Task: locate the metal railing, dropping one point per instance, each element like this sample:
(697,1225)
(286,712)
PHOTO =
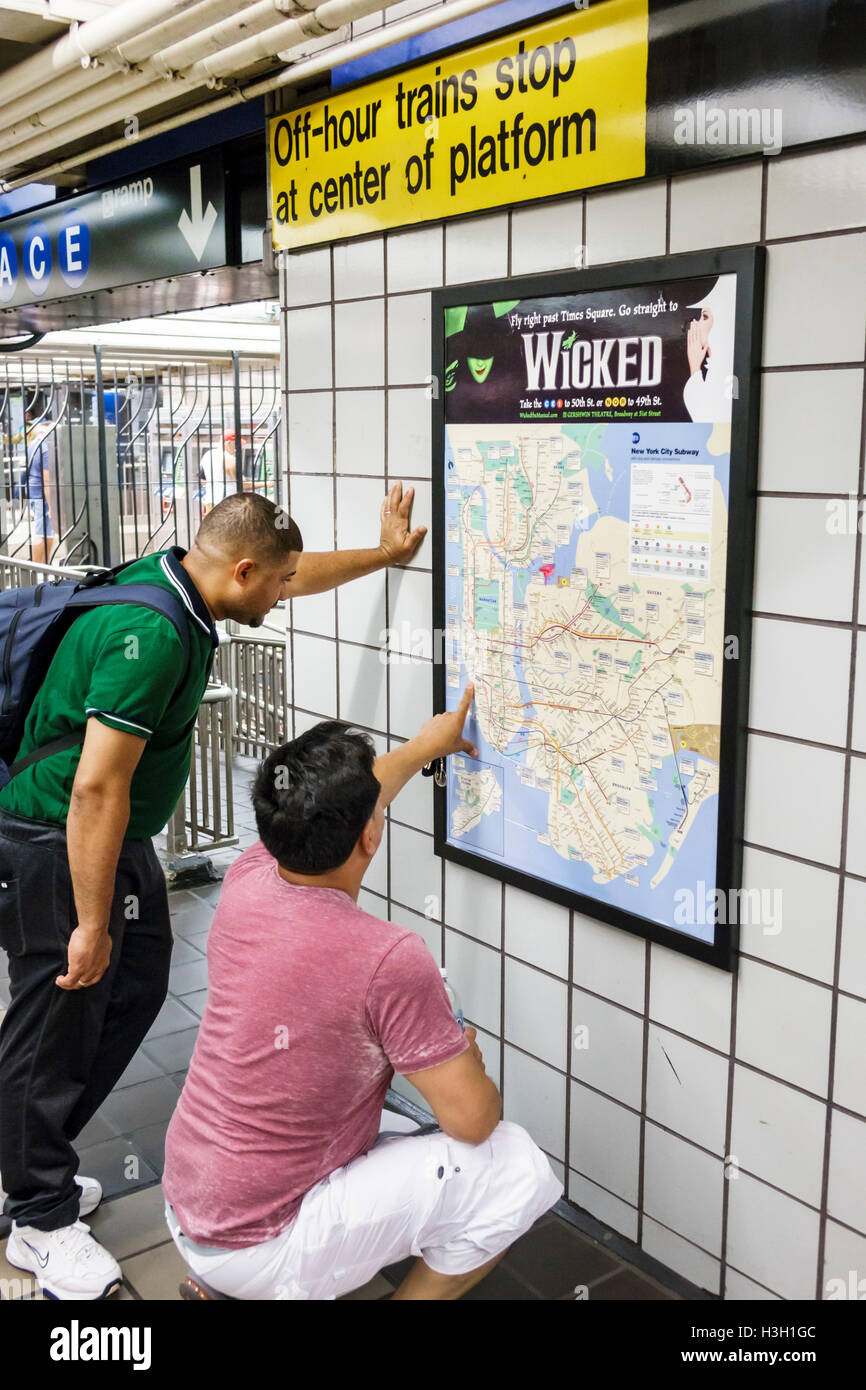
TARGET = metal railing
(108,463)
(204,818)
(255,668)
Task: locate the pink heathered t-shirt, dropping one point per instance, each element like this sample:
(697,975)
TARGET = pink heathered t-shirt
(312,1006)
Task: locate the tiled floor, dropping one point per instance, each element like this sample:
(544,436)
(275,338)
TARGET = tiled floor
(123,1146)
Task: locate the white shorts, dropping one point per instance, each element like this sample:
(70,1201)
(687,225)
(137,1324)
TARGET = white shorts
(455,1204)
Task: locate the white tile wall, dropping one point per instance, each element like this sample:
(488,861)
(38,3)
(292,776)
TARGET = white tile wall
(314,670)
(359,330)
(817,192)
(778,1134)
(308,348)
(312,504)
(683,1188)
(607,1047)
(534,1096)
(363,692)
(316,613)
(679,1254)
(858,732)
(809,415)
(789,528)
(308,277)
(547,237)
(690,997)
(843,1252)
(739,1288)
(846,1199)
(852,965)
(409,441)
(429,930)
(410,600)
(411,696)
(414,804)
(800,679)
(359,268)
(602,1205)
(687,1089)
(536,1013)
(475,971)
(816,299)
(311,433)
(536,930)
(783,1025)
(473,904)
(408,339)
(772,1238)
(416,872)
(780,810)
(856,858)
(360,432)
(358,504)
(476,249)
(810,443)
(720,208)
(849,1082)
(627,224)
(793,923)
(604,1142)
(609,962)
(361,610)
(414,259)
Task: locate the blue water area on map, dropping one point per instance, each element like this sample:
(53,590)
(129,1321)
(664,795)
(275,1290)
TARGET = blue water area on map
(510,835)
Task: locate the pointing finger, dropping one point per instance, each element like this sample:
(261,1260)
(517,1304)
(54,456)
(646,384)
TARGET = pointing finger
(465,701)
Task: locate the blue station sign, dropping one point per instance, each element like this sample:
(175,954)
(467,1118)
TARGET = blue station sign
(169,220)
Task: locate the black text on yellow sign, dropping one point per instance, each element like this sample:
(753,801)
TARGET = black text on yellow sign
(546,110)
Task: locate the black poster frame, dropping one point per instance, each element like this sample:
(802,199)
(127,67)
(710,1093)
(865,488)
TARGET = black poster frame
(748,264)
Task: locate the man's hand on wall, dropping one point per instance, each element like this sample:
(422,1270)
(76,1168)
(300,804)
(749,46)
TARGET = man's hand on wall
(396,541)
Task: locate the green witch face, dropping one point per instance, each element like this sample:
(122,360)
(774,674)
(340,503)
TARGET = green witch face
(479,367)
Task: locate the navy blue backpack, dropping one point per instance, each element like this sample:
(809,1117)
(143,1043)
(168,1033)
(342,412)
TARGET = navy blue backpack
(33,620)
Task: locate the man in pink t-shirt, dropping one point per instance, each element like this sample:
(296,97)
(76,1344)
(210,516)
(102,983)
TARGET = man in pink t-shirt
(278,1181)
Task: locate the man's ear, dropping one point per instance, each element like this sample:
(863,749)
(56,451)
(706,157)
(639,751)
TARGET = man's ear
(370,839)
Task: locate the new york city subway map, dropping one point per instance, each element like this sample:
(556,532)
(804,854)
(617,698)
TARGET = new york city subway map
(584,597)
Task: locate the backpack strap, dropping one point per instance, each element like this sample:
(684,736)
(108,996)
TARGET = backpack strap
(95,595)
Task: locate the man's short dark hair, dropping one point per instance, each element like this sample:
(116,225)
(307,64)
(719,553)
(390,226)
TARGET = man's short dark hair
(246,523)
(312,797)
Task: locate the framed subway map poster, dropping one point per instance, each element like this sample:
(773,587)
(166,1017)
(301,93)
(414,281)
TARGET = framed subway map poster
(595,441)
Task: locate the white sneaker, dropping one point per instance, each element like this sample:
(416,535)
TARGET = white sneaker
(68,1263)
(91,1195)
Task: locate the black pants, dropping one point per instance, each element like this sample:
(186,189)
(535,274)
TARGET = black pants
(62,1051)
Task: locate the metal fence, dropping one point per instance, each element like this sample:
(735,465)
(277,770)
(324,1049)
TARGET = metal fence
(256,671)
(101,466)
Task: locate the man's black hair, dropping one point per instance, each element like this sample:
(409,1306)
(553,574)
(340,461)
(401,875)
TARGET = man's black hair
(312,797)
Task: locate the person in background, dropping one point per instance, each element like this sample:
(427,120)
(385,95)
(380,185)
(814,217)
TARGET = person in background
(220,469)
(38,489)
(276,1184)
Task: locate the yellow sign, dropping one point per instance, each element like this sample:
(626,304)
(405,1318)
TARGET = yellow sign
(548,109)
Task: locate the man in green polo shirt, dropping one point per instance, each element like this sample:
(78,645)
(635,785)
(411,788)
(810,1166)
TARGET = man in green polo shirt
(83,905)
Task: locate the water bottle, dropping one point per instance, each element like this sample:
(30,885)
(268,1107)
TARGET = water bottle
(452,998)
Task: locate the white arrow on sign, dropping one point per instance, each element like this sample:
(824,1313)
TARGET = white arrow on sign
(196,230)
